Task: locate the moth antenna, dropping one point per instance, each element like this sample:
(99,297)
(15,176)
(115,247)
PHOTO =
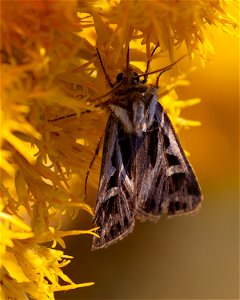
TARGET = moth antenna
(90,166)
(128,57)
(148,64)
(104,70)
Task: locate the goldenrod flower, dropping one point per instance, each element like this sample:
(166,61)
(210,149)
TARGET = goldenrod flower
(50,70)
(169,23)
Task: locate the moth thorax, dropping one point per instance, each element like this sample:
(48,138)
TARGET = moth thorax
(139,117)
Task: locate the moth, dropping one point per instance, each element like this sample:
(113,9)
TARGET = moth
(144,171)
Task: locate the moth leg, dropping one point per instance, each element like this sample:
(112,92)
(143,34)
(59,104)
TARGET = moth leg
(104,70)
(69,116)
(90,166)
(159,75)
(169,67)
(63,117)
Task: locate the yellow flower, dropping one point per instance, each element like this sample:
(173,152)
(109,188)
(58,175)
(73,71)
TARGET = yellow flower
(51,70)
(168,23)
(27,268)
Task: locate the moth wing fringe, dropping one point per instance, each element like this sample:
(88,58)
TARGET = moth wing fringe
(114,241)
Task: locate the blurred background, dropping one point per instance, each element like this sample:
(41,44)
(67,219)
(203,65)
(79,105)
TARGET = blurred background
(189,256)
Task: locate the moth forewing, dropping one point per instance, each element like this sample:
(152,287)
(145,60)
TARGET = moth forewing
(115,207)
(170,185)
(144,172)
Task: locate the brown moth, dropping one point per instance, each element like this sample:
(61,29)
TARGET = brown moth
(144,172)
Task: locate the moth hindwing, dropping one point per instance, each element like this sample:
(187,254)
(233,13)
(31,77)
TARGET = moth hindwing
(144,172)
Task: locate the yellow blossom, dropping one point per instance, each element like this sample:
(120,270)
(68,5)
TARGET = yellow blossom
(26,266)
(50,70)
(169,23)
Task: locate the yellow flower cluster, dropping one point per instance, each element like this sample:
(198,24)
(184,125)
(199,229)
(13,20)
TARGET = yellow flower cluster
(50,70)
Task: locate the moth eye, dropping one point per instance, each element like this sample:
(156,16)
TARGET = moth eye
(136,75)
(119,77)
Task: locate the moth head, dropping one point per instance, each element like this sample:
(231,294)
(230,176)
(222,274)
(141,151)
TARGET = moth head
(128,76)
